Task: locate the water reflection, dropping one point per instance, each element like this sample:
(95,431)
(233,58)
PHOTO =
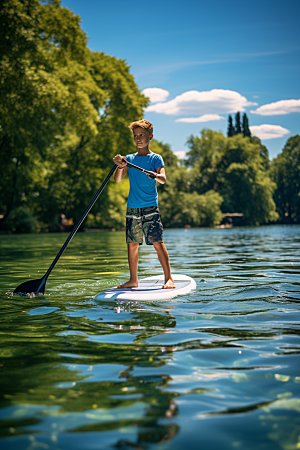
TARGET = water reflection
(84,374)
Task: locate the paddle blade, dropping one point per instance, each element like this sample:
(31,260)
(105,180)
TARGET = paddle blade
(35,286)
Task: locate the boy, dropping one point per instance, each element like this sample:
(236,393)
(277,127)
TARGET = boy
(143,216)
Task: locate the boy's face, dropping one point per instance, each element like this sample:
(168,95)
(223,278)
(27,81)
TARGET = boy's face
(141,137)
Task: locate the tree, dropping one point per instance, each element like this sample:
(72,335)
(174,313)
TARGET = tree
(246,186)
(204,149)
(45,88)
(65,112)
(84,159)
(285,172)
(238,127)
(264,152)
(230,129)
(245,126)
(235,169)
(204,157)
(180,208)
(170,159)
(179,202)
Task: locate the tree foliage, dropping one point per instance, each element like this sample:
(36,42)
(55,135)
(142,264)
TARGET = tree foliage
(234,168)
(245,126)
(64,114)
(285,172)
(231,128)
(239,127)
(179,203)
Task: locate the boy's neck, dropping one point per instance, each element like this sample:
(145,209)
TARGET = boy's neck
(144,151)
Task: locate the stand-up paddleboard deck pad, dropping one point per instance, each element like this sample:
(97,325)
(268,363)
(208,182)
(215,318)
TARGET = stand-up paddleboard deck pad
(150,289)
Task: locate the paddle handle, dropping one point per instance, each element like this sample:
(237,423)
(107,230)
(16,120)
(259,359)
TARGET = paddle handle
(147,172)
(93,201)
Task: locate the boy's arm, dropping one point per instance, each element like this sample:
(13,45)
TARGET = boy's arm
(122,169)
(160,175)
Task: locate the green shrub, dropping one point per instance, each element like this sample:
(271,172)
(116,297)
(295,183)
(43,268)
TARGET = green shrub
(22,220)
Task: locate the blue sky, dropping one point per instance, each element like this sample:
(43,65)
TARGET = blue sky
(202,60)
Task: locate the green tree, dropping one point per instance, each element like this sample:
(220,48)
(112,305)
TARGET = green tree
(44,89)
(65,112)
(170,159)
(238,127)
(235,169)
(245,126)
(189,208)
(179,202)
(180,205)
(285,172)
(204,157)
(230,129)
(264,152)
(82,162)
(246,186)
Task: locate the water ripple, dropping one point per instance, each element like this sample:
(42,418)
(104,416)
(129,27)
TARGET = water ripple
(217,368)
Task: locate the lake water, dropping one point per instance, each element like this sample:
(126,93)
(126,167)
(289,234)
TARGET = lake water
(215,369)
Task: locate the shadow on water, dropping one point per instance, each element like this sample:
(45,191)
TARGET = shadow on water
(217,368)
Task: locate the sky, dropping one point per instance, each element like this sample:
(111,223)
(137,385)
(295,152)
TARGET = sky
(199,61)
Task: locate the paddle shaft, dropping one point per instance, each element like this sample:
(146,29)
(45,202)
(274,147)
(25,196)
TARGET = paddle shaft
(147,172)
(38,286)
(93,201)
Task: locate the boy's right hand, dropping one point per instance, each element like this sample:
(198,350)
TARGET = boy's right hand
(119,160)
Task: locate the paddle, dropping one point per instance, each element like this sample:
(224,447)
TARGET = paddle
(139,168)
(38,286)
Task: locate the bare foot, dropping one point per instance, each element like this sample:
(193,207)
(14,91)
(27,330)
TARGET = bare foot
(169,284)
(128,284)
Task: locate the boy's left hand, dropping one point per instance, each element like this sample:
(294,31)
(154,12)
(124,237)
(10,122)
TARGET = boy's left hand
(160,176)
(151,174)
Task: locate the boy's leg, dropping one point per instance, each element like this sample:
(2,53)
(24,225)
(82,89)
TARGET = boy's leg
(133,257)
(163,257)
(134,237)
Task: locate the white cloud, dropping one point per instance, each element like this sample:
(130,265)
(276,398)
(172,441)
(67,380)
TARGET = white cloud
(180,154)
(216,101)
(156,94)
(278,108)
(268,131)
(204,118)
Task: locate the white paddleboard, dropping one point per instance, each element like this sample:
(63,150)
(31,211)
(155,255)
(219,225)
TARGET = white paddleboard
(150,289)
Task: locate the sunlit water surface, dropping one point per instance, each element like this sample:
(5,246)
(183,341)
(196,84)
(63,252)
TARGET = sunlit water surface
(215,369)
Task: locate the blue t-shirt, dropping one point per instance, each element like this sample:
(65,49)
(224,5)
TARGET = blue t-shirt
(143,190)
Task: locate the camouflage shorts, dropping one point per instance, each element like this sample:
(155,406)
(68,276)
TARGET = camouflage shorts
(143,222)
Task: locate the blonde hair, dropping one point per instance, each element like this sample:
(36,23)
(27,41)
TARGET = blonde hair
(142,124)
